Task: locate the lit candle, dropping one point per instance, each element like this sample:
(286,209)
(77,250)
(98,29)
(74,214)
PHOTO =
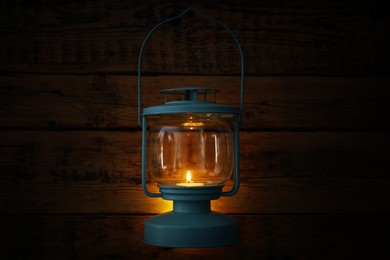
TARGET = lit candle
(189,183)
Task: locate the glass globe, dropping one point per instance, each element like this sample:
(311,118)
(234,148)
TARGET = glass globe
(190,149)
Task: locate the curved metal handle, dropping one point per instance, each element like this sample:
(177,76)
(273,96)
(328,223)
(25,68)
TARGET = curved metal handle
(178,17)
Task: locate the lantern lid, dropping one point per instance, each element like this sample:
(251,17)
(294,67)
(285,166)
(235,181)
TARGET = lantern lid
(190,100)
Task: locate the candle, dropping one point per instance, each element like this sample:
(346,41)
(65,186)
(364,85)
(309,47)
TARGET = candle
(190,183)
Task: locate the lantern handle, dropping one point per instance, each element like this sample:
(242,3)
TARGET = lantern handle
(146,40)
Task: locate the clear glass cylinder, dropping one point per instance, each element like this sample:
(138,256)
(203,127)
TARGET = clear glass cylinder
(191,149)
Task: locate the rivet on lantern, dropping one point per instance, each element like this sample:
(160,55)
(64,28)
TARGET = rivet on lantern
(191,150)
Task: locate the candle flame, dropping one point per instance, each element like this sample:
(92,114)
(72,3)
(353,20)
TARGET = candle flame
(188,178)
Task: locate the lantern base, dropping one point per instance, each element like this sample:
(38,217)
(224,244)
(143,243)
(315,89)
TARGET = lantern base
(191,223)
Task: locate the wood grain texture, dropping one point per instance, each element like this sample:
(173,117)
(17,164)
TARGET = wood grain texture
(262,237)
(88,172)
(324,195)
(105,157)
(314,145)
(291,37)
(107,102)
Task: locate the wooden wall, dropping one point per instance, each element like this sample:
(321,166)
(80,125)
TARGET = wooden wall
(315,137)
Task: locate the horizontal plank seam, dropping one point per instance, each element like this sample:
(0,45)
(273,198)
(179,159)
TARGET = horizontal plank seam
(163,73)
(136,129)
(155,214)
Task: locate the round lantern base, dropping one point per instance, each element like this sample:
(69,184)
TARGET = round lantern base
(191,223)
(191,230)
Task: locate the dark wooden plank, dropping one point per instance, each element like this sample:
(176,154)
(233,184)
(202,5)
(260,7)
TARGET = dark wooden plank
(309,37)
(297,195)
(57,101)
(115,157)
(86,172)
(262,237)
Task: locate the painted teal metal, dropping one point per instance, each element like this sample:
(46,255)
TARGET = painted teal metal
(191,223)
(175,107)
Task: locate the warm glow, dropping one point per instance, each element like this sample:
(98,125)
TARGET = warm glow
(192,124)
(191,151)
(188,178)
(189,182)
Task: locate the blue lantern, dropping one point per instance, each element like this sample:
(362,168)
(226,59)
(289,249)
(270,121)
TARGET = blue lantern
(191,150)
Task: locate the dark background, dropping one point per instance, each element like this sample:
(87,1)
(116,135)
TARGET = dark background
(314,142)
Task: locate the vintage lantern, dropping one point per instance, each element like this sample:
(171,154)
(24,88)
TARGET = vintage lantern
(191,149)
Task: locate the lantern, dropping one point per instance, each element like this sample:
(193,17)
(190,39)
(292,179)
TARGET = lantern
(191,149)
